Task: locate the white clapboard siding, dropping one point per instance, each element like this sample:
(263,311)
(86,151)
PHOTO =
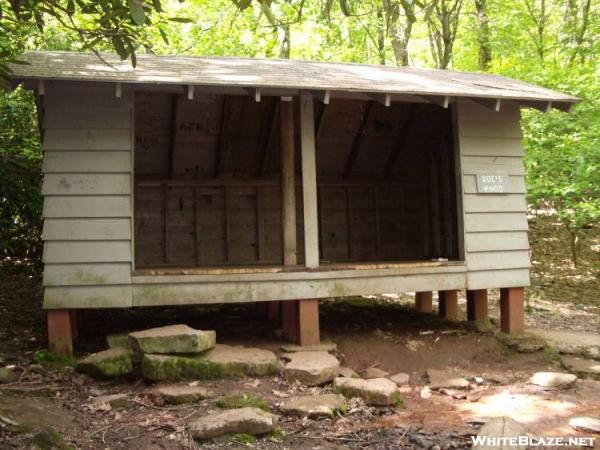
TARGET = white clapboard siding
(87,229)
(71,117)
(87,196)
(87,162)
(86,251)
(88,206)
(87,139)
(87,184)
(87,274)
(105,296)
(495,225)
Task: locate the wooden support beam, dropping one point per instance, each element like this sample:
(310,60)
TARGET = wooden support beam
(173,134)
(308,322)
(41,87)
(448,304)
(118,90)
(190,92)
(309,181)
(266,142)
(491,103)
(60,331)
(477,304)
(512,310)
(400,143)
(288,185)
(260,226)
(255,93)
(289,319)
(227,225)
(197,225)
(319,123)
(443,101)
(221,139)
(358,140)
(424,301)
(322,96)
(166,221)
(274,311)
(383,99)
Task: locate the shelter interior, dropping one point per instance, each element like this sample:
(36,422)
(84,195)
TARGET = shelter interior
(208,189)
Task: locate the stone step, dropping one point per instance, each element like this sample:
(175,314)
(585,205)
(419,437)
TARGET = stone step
(252,421)
(172,339)
(585,368)
(314,406)
(223,361)
(376,391)
(177,394)
(311,368)
(111,363)
(553,379)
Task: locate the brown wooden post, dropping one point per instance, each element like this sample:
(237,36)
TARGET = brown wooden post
(60,331)
(512,314)
(448,304)
(477,304)
(274,311)
(289,319)
(308,322)
(288,185)
(424,301)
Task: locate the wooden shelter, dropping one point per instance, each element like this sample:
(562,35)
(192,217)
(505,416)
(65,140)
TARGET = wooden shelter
(214,180)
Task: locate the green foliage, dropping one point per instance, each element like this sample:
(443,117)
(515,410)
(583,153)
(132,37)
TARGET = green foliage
(47,358)
(242,401)
(244,438)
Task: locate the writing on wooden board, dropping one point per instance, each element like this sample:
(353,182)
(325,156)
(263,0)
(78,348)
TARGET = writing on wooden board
(492,183)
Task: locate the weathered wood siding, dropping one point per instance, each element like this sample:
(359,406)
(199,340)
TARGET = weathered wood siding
(87,196)
(495,225)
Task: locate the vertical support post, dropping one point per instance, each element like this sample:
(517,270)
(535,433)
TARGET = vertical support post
(448,304)
(309,180)
(288,185)
(512,314)
(477,304)
(424,302)
(60,331)
(308,319)
(274,311)
(289,319)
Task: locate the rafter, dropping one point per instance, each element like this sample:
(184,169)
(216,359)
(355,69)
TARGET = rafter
(358,140)
(399,144)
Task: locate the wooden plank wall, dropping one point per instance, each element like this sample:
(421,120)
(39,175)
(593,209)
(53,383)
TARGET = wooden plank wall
(207,182)
(87,196)
(496,244)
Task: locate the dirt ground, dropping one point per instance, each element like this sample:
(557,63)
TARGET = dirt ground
(384,332)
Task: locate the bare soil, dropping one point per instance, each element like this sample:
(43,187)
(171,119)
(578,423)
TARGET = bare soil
(383,331)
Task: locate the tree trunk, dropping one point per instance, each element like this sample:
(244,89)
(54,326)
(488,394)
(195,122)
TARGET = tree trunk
(483,35)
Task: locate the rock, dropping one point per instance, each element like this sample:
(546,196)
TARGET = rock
(347,372)
(172,339)
(584,368)
(7,375)
(374,372)
(329,347)
(223,361)
(553,379)
(501,427)
(444,379)
(49,439)
(400,378)
(119,340)
(586,424)
(522,342)
(252,421)
(311,368)
(376,391)
(571,342)
(458,395)
(314,405)
(114,362)
(114,400)
(177,394)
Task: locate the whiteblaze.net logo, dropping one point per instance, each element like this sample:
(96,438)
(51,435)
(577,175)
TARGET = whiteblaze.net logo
(518,441)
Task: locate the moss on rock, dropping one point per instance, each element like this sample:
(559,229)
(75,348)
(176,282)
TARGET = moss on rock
(111,363)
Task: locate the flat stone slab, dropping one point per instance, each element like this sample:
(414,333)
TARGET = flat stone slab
(252,421)
(311,368)
(172,339)
(571,342)
(553,379)
(585,368)
(177,394)
(401,379)
(120,340)
(314,405)
(439,379)
(586,424)
(322,347)
(347,372)
(374,372)
(7,375)
(111,363)
(501,427)
(376,391)
(223,361)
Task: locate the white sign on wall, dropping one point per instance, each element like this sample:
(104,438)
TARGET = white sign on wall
(492,183)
